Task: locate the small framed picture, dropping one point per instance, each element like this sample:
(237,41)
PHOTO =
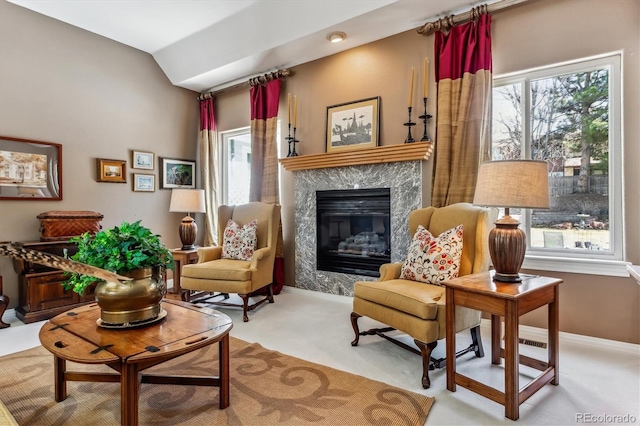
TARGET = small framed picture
(142,160)
(177,173)
(114,171)
(144,183)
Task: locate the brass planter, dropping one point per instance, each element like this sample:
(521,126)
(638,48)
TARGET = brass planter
(131,303)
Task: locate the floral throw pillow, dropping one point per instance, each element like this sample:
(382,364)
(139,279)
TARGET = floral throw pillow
(239,242)
(433,259)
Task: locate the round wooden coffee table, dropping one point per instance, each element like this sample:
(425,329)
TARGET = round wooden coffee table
(75,336)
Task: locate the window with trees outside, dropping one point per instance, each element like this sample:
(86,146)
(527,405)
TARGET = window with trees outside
(236,166)
(569,116)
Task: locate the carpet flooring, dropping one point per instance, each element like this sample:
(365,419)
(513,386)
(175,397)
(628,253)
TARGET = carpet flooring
(267,388)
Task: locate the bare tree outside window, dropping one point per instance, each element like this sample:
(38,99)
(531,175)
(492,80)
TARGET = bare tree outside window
(563,119)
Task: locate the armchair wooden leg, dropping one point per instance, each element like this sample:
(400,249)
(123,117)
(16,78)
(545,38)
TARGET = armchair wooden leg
(425,350)
(477,341)
(245,307)
(270,293)
(356,329)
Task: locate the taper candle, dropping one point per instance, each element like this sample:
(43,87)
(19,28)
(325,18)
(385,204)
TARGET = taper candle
(425,78)
(411,89)
(289,109)
(295,111)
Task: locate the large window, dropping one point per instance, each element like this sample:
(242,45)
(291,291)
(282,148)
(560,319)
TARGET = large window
(569,116)
(236,166)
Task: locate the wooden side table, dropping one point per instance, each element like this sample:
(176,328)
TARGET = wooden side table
(181,258)
(479,291)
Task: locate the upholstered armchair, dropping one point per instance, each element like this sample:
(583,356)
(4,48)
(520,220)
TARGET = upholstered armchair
(417,308)
(217,273)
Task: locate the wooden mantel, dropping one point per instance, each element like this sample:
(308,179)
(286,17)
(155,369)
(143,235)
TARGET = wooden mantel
(381,154)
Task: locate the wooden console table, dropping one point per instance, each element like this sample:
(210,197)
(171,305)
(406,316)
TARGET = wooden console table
(479,291)
(41,295)
(75,336)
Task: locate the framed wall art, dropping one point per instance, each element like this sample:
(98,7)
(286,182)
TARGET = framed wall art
(114,171)
(144,183)
(30,170)
(177,173)
(142,160)
(353,125)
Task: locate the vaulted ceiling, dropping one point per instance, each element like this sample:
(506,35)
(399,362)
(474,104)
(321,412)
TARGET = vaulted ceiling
(206,44)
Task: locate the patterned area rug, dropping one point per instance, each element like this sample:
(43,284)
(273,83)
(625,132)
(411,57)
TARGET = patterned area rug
(267,388)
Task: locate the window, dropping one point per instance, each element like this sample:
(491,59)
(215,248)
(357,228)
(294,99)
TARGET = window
(235,169)
(235,166)
(569,116)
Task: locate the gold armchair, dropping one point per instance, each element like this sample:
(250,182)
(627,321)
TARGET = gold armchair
(417,308)
(214,274)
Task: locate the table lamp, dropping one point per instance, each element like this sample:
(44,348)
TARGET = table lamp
(187,201)
(511,184)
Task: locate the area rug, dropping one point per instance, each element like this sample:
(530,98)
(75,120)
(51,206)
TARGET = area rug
(267,388)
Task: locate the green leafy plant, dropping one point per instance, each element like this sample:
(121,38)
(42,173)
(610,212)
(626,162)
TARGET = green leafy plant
(120,249)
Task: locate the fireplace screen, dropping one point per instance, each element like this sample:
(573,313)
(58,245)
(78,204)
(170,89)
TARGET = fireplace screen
(353,230)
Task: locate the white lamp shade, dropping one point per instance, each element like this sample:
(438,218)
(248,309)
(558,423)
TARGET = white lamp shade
(187,201)
(513,184)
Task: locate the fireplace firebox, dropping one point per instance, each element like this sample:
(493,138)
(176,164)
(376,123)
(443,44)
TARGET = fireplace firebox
(353,230)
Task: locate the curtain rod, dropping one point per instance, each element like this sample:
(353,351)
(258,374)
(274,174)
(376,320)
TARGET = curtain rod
(451,20)
(253,81)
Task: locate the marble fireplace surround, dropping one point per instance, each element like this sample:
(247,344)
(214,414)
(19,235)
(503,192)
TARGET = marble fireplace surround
(398,167)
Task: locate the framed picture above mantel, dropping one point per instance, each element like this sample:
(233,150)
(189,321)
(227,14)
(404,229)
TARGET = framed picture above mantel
(353,125)
(30,170)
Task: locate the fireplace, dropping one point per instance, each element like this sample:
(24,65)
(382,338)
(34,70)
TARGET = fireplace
(353,230)
(403,178)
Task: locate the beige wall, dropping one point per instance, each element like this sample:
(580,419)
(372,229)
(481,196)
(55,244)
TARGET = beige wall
(99,99)
(534,34)
(55,78)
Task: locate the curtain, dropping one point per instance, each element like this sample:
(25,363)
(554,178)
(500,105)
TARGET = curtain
(463,77)
(264,186)
(208,147)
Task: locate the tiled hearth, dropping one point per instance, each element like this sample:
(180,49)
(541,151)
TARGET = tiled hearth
(405,181)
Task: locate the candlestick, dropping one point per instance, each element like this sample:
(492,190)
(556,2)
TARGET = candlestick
(288,139)
(424,118)
(292,140)
(409,123)
(411,90)
(295,141)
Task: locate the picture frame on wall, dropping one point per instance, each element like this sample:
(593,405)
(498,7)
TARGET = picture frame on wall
(114,171)
(177,173)
(144,182)
(30,170)
(353,125)
(142,160)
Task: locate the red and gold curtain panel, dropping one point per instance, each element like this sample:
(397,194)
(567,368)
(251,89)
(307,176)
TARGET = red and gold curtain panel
(264,159)
(463,77)
(208,146)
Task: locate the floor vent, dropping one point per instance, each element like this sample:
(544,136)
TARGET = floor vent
(533,343)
